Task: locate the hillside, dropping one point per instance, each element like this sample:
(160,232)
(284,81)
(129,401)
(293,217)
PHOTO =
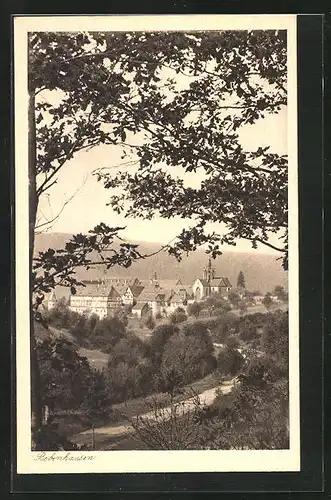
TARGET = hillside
(262,271)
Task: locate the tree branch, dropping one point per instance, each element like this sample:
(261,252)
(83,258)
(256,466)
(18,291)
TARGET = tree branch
(38,226)
(267,244)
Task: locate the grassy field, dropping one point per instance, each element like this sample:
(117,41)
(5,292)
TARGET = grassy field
(138,328)
(97,359)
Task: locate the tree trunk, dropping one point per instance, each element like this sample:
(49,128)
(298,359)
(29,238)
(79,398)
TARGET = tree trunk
(36,406)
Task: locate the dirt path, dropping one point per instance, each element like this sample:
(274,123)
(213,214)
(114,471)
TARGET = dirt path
(120,430)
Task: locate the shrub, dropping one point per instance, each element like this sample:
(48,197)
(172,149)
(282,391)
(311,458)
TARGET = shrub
(223,326)
(232,342)
(178,316)
(149,322)
(267,301)
(229,362)
(188,357)
(242,306)
(234,298)
(194,309)
(48,439)
(248,332)
(161,334)
(106,333)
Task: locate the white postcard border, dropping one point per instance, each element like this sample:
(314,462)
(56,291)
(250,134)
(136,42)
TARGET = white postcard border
(29,462)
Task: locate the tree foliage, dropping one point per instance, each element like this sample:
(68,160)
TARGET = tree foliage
(116,85)
(275,340)
(229,361)
(231,79)
(280,293)
(161,334)
(267,301)
(234,298)
(178,316)
(215,304)
(149,321)
(242,306)
(241,283)
(89,331)
(188,357)
(194,309)
(253,417)
(130,372)
(87,89)
(65,375)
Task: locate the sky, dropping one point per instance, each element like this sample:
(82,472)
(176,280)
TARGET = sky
(86,199)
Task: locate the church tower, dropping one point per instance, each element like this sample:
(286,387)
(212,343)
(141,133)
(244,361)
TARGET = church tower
(210,274)
(205,273)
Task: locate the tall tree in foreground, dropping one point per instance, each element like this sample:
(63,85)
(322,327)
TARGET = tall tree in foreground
(169,100)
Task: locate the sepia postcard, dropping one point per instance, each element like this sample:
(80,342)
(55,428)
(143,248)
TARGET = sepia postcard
(156,228)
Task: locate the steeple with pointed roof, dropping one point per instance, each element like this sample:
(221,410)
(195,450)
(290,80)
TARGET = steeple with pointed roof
(209,271)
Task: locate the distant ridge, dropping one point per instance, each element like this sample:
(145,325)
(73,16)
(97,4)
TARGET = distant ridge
(262,271)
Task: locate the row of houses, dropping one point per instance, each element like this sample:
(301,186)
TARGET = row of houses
(159,297)
(154,296)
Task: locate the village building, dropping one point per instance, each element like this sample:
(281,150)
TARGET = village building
(159,297)
(60,293)
(155,298)
(120,281)
(131,294)
(96,297)
(220,285)
(168,284)
(175,301)
(201,289)
(258,299)
(50,300)
(140,309)
(209,283)
(185,290)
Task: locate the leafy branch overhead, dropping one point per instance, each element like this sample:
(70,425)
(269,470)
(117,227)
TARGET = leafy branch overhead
(176,103)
